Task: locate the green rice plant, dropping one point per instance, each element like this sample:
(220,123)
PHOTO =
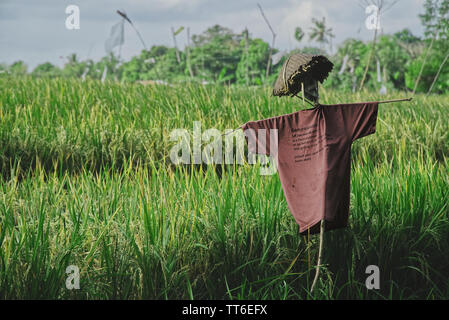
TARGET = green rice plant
(86,180)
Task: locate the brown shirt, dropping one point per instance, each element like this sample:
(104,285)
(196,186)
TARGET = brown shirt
(313,157)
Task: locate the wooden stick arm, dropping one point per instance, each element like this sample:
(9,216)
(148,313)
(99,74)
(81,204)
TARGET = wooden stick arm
(396,100)
(385,101)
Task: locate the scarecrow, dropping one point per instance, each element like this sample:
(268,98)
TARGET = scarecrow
(313,147)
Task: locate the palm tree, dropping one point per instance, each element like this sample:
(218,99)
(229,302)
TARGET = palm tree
(72,59)
(320,32)
(73,67)
(299,34)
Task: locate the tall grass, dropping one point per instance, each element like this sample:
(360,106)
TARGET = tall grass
(86,180)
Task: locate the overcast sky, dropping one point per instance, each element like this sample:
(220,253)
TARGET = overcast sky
(35,31)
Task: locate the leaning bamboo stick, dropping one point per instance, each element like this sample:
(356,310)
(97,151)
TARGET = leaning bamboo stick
(302,88)
(320,255)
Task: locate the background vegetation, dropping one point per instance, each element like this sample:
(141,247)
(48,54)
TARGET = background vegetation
(218,55)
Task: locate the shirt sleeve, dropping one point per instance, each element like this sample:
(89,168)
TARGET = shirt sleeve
(360,119)
(257,135)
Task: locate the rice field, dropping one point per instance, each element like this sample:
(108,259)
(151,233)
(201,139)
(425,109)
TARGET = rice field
(86,180)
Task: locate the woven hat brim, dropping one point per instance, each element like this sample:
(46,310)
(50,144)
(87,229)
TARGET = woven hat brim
(297,68)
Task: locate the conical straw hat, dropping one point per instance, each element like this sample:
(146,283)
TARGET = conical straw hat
(301,68)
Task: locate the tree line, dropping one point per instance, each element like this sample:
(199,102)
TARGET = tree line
(399,61)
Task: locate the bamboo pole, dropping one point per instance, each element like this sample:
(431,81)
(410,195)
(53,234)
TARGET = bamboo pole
(369,60)
(395,100)
(272,41)
(423,65)
(125,16)
(189,66)
(308,247)
(438,74)
(320,255)
(246,57)
(302,89)
(176,45)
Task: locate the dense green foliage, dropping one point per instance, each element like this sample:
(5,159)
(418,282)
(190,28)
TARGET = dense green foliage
(86,180)
(218,55)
